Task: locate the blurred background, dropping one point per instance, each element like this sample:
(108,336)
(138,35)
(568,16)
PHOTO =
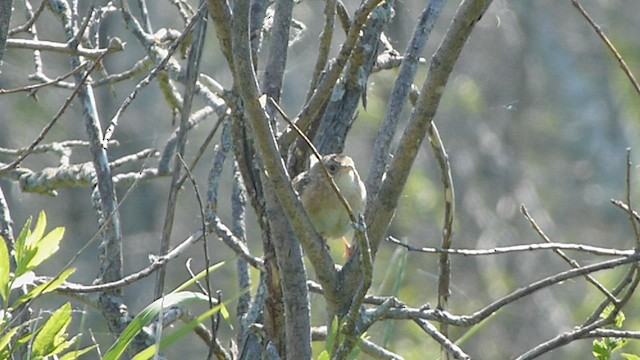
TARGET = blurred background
(536,112)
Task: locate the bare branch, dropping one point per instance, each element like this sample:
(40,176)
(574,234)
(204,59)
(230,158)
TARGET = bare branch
(44,45)
(627,71)
(570,261)
(516,248)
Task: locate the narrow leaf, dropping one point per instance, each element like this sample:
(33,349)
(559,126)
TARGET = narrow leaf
(46,287)
(22,239)
(168,340)
(77,353)
(146,316)
(52,334)
(38,232)
(6,338)
(199,276)
(4,270)
(630,357)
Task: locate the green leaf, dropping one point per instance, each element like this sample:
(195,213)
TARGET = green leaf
(199,276)
(332,334)
(600,350)
(51,338)
(354,354)
(630,357)
(38,232)
(45,247)
(6,338)
(22,239)
(77,353)
(324,355)
(46,287)
(619,319)
(615,343)
(168,340)
(4,271)
(225,315)
(146,316)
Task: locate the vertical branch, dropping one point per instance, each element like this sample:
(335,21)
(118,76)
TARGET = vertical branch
(144,13)
(111,266)
(6,7)
(634,224)
(110,302)
(277,58)
(444,277)
(287,249)
(297,162)
(6,226)
(338,114)
(193,68)
(219,157)
(256,22)
(468,13)
(399,95)
(238,213)
(323,90)
(221,15)
(324,45)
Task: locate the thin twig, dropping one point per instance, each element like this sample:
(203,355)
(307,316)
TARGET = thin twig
(47,83)
(444,276)
(515,248)
(443,340)
(627,71)
(207,262)
(31,20)
(634,225)
(625,207)
(192,73)
(152,74)
(561,253)
(55,118)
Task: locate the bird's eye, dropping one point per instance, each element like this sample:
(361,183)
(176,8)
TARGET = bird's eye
(332,168)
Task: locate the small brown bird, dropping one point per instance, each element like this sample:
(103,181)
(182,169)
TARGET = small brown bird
(325,210)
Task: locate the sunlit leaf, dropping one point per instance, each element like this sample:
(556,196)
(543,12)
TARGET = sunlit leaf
(630,357)
(4,270)
(22,239)
(21,248)
(600,350)
(51,338)
(46,247)
(6,338)
(146,316)
(38,232)
(620,319)
(225,315)
(332,334)
(46,287)
(168,340)
(198,276)
(77,353)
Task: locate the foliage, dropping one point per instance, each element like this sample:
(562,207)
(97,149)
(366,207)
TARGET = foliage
(50,339)
(604,348)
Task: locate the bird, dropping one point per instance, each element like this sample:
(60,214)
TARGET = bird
(325,210)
